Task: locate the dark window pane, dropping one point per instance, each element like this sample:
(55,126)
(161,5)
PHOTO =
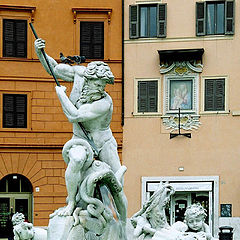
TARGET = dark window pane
(220,18)
(3,185)
(21,206)
(4,213)
(14,183)
(26,185)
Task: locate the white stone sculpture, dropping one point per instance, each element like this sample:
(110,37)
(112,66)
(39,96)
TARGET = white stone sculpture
(150,222)
(151,216)
(96,204)
(25,231)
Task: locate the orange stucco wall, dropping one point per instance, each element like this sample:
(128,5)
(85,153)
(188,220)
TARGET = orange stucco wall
(35,152)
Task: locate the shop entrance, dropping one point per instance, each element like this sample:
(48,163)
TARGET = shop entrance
(15,196)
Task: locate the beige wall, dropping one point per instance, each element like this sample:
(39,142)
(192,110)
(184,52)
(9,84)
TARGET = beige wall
(214,148)
(35,152)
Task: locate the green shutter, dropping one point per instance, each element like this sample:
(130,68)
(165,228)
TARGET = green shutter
(133,21)
(214,95)
(162,20)
(152,96)
(142,96)
(200,18)
(220,95)
(209,95)
(147,96)
(229,17)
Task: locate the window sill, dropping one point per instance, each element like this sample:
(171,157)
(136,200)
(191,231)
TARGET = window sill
(148,114)
(15,59)
(215,113)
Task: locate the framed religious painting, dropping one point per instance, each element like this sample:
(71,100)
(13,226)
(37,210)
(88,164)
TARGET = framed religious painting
(181,93)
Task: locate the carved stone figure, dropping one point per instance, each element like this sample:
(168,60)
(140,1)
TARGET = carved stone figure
(150,222)
(96,200)
(151,216)
(25,231)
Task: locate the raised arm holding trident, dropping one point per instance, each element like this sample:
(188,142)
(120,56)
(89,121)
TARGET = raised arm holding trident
(89,108)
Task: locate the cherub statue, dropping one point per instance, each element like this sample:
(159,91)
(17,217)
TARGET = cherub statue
(25,231)
(196,228)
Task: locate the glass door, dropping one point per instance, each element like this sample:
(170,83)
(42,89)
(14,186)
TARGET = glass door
(4,216)
(22,206)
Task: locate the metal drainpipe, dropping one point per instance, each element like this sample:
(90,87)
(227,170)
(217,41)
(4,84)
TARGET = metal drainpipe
(122,62)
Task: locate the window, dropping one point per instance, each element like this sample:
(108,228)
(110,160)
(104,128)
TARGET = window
(14,111)
(92,40)
(148,21)
(147,96)
(14,38)
(214,95)
(214,18)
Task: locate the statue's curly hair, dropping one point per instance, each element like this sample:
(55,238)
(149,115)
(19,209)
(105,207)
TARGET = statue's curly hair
(195,210)
(99,70)
(17,218)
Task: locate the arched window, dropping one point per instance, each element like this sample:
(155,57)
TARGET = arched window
(15,183)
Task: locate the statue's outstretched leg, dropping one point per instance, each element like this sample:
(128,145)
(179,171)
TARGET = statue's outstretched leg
(73,177)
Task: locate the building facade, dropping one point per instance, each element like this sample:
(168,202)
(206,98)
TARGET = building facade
(182,105)
(33,128)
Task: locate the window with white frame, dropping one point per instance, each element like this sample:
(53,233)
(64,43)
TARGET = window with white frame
(215,18)
(147,21)
(147,96)
(215,94)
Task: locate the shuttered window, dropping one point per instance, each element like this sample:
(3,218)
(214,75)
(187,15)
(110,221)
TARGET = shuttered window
(214,95)
(92,40)
(147,96)
(147,21)
(215,18)
(14,111)
(14,38)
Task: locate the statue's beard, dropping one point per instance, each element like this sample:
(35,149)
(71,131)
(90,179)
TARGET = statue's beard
(90,95)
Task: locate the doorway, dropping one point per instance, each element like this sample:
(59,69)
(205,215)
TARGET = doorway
(15,196)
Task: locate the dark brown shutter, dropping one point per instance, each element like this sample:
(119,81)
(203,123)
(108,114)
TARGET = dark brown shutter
(98,38)
(8,38)
(200,18)
(133,21)
(162,20)
(21,38)
(229,17)
(92,40)
(14,110)
(14,38)
(147,96)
